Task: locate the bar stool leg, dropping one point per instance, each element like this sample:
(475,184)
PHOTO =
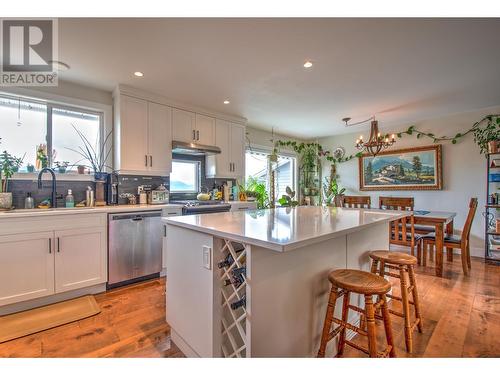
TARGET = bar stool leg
(345,313)
(468,255)
(387,326)
(370,324)
(330,310)
(416,302)
(406,308)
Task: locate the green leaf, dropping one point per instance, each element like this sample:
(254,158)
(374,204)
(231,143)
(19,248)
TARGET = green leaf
(419,135)
(454,141)
(399,135)
(458,135)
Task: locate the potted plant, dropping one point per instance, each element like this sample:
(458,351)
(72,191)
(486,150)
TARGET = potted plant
(8,165)
(333,193)
(62,166)
(487,137)
(257,189)
(30,168)
(287,200)
(96,157)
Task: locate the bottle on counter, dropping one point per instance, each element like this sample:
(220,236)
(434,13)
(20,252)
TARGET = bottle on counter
(89,197)
(70,199)
(29,202)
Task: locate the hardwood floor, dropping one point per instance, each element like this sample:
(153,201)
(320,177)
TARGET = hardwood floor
(461,319)
(461,315)
(131,324)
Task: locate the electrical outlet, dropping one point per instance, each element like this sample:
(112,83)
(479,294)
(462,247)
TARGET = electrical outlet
(207,257)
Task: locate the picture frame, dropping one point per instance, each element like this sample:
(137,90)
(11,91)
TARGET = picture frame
(417,168)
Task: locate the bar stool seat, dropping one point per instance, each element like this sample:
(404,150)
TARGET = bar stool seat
(347,281)
(393,257)
(359,281)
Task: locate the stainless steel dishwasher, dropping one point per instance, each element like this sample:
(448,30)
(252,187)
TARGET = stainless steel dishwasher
(135,247)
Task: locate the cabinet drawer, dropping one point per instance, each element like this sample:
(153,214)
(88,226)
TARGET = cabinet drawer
(49,222)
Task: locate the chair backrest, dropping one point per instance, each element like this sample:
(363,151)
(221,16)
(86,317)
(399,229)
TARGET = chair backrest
(470,218)
(396,203)
(356,201)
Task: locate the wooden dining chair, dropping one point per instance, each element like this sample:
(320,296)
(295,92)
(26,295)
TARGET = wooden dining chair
(453,241)
(356,201)
(402,231)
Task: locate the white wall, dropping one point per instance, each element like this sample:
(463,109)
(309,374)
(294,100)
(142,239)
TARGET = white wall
(464,169)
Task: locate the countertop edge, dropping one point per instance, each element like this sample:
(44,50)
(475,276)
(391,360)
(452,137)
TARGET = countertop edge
(85,211)
(277,246)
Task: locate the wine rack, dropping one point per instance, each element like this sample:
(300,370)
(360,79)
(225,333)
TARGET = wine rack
(233,286)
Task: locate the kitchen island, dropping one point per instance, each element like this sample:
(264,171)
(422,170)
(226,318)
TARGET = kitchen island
(254,283)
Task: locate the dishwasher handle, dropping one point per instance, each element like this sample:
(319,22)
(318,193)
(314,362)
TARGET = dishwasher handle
(134,216)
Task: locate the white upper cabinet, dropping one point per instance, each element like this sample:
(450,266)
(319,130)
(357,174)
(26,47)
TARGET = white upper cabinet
(193,127)
(230,163)
(131,137)
(183,125)
(143,137)
(205,130)
(160,139)
(238,150)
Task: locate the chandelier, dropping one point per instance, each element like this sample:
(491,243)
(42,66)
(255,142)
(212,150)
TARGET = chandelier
(377,142)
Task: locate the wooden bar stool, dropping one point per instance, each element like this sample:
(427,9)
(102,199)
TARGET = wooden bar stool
(404,264)
(344,282)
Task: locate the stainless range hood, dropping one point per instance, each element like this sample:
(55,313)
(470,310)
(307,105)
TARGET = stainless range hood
(186,148)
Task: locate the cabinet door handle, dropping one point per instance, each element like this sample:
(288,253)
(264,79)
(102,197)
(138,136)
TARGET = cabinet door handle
(150,160)
(194,135)
(164,231)
(58,245)
(145,160)
(50,245)
(197,135)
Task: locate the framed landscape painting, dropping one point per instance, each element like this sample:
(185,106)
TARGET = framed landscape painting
(407,169)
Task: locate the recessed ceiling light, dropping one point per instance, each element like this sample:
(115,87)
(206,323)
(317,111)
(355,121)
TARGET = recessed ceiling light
(226,101)
(308,64)
(139,74)
(59,65)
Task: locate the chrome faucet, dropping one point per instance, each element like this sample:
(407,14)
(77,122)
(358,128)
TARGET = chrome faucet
(54,195)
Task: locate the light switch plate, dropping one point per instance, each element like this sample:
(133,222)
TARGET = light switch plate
(207,257)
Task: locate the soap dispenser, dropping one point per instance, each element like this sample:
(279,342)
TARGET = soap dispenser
(29,202)
(70,200)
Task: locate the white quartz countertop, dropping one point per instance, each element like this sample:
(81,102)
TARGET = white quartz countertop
(284,229)
(84,210)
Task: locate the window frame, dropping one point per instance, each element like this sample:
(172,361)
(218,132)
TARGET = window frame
(50,105)
(197,163)
(268,151)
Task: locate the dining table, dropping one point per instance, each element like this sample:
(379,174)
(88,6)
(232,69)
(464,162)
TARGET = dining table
(442,221)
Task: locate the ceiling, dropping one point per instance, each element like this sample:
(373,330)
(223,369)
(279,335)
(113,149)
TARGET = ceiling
(401,70)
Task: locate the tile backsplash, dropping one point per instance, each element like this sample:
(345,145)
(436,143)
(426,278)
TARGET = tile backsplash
(126,184)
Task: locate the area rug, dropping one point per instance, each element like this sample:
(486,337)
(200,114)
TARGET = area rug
(25,323)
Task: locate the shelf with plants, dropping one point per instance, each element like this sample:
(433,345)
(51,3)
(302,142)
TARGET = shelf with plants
(492,213)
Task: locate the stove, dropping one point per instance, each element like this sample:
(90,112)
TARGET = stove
(195,207)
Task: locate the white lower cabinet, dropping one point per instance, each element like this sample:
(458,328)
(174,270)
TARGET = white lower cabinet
(27,266)
(80,258)
(57,259)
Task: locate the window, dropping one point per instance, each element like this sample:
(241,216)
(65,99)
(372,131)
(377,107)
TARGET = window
(65,140)
(27,125)
(22,128)
(256,162)
(185,176)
